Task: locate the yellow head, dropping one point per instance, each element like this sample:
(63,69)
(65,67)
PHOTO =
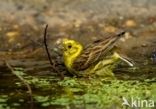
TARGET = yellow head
(72,50)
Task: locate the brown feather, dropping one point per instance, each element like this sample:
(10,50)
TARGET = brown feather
(96,51)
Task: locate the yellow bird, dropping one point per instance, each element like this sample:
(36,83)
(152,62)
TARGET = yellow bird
(99,55)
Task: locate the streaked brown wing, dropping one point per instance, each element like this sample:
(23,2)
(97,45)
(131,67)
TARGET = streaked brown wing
(95,52)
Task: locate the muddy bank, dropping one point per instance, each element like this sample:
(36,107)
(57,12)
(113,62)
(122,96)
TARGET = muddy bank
(22,23)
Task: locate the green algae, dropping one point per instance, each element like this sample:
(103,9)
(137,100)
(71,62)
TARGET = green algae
(78,93)
(100,93)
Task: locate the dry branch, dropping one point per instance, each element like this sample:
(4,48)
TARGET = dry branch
(24,81)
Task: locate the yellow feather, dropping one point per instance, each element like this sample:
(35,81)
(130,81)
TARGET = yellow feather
(72,50)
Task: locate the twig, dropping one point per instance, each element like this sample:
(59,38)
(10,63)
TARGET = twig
(23,80)
(48,53)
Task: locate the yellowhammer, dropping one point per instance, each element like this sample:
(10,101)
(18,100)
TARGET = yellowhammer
(95,58)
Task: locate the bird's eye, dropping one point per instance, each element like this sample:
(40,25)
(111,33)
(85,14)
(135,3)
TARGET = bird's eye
(69,46)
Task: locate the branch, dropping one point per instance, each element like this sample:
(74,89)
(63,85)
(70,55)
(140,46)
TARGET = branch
(48,53)
(23,80)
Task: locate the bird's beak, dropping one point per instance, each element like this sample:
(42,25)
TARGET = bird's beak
(59,44)
(62,44)
(61,47)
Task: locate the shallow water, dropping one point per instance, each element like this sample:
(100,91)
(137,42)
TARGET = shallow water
(21,46)
(48,91)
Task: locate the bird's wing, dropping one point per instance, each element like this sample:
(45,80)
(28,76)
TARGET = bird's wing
(95,52)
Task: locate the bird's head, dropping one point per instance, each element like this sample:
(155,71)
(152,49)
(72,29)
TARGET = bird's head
(71,50)
(71,47)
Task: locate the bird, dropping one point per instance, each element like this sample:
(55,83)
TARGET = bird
(82,61)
